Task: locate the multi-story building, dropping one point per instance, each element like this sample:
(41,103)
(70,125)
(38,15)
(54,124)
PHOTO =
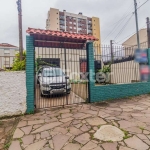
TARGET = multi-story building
(7,55)
(73,23)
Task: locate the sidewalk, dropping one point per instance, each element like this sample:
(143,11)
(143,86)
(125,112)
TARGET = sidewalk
(74,127)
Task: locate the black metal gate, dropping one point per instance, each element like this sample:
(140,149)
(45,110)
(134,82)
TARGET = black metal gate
(60,77)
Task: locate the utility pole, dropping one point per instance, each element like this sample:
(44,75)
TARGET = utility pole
(20,28)
(111,50)
(137,28)
(148,31)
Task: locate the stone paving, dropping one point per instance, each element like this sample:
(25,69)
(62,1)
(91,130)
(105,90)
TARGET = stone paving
(7,126)
(73,127)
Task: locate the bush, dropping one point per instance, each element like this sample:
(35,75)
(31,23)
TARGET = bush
(19,65)
(105,69)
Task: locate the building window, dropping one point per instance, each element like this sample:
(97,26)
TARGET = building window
(70,22)
(6,51)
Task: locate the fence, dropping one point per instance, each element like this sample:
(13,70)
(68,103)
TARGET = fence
(116,65)
(10,62)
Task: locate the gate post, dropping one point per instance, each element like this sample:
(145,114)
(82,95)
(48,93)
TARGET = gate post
(30,69)
(91,68)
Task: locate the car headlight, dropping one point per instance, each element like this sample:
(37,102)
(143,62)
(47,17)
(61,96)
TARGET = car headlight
(45,85)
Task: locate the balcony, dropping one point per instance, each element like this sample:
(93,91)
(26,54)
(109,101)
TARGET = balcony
(62,22)
(90,22)
(62,28)
(89,31)
(89,27)
(62,18)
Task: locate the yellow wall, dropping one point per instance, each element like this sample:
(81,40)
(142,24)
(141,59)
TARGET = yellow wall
(96,33)
(54,19)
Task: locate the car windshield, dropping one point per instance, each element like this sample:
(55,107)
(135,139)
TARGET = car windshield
(53,73)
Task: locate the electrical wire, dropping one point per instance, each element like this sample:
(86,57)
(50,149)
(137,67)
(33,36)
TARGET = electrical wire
(125,16)
(130,35)
(142,4)
(123,27)
(118,23)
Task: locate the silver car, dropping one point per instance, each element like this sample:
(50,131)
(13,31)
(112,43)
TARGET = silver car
(53,81)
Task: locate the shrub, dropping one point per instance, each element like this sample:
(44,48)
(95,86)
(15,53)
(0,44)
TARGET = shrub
(19,64)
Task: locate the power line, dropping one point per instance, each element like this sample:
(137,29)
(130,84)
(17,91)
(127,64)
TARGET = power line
(121,20)
(143,4)
(119,23)
(130,35)
(113,30)
(123,27)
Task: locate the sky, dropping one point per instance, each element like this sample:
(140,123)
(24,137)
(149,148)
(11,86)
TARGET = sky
(113,14)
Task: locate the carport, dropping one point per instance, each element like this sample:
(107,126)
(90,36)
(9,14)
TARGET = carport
(69,48)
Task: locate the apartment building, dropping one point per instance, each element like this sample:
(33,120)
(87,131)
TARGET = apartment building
(73,23)
(7,55)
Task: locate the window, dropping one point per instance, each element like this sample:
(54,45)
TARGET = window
(75,28)
(6,51)
(70,27)
(70,22)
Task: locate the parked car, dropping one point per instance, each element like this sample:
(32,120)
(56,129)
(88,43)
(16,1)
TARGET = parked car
(53,80)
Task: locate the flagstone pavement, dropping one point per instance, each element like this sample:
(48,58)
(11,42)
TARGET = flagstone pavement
(73,127)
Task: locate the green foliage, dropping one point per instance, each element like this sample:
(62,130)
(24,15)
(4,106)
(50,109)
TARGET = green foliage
(39,62)
(6,146)
(19,64)
(105,69)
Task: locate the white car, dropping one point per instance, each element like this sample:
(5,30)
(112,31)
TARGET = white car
(53,81)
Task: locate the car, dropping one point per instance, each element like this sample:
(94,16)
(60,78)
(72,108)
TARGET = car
(52,81)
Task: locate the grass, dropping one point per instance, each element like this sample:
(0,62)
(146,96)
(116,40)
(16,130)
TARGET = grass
(68,130)
(1,123)
(126,134)
(20,140)
(142,128)
(6,146)
(110,141)
(92,136)
(60,114)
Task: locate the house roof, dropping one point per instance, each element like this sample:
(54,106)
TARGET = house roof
(6,45)
(58,39)
(143,38)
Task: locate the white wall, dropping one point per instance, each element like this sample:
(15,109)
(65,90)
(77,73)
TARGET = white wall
(72,59)
(125,72)
(12,93)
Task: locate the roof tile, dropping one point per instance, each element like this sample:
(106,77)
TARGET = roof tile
(6,45)
(61,34)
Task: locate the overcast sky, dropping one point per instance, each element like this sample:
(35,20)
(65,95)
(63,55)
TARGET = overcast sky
(35,14)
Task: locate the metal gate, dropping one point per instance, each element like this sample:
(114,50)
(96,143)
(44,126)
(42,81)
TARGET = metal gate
(60,77)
